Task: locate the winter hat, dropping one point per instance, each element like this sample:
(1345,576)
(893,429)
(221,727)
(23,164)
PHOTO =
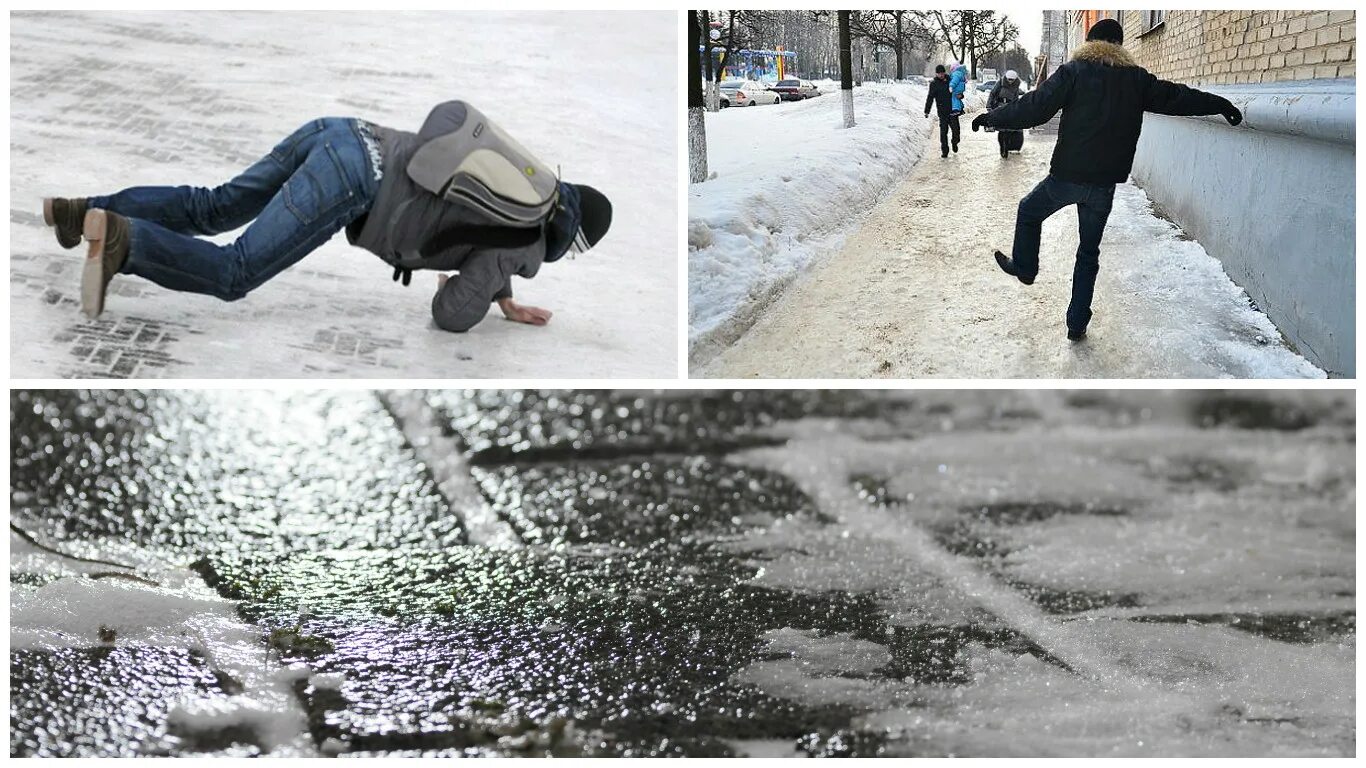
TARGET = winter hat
(1010,75)
(939,69)
(581,219)
(597,214)
(1107,30)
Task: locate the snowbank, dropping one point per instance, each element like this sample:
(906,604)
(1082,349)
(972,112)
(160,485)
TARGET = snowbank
(787,182)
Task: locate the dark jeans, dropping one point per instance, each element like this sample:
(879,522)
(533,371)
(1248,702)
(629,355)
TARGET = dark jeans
(297,197)
(945,123)
(1093,203)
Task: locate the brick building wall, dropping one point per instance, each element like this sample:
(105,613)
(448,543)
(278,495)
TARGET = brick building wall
(1226,47)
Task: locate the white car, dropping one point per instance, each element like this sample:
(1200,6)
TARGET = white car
(746,93)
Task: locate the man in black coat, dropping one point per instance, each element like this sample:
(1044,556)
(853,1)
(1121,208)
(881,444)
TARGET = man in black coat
(940,96)
(1102,94)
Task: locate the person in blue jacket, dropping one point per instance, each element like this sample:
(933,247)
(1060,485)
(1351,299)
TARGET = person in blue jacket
(958,82)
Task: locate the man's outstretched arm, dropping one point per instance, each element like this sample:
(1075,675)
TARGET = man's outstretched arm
(1168,98)
(1034,108)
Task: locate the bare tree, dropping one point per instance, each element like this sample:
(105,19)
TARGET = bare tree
(970,34)
(846,70)
(697,124)
(896,30)
(990,34)
(739,30)
(1015,58)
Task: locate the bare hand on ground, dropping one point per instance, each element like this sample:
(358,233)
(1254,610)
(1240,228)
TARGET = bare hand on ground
(524,313)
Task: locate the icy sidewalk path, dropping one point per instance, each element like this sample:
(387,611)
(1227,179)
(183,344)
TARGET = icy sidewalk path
(915,293)
(101,102)
(789,181)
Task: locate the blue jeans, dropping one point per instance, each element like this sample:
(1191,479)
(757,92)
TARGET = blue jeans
(1093,203)
(296,198)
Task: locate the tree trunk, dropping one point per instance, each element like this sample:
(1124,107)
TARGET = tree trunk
(846,70)
(900,44)
(697,126)
(711,99)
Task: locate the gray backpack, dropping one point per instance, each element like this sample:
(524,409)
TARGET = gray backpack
(480,166)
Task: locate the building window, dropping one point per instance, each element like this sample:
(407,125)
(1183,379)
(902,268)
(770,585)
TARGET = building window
(1152,20)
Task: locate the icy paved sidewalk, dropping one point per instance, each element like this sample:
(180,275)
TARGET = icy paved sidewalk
(694,573)
(915,293)
(101,102)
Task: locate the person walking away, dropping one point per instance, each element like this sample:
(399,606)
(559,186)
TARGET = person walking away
(458,195)
(1102,94)
(1007,91)
(942,98)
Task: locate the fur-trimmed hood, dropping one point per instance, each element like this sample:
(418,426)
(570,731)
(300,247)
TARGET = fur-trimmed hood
(1105,53)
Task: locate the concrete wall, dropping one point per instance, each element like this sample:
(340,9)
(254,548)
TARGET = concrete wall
(1274,200)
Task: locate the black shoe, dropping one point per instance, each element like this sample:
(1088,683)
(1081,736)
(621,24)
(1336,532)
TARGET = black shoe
(67,216)
(1005,153)
(945,154)
(1076,335)
(107,234)
(955,147)
(1007,267)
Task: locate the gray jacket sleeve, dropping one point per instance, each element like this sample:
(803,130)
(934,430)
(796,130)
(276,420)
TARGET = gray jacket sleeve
(463,301)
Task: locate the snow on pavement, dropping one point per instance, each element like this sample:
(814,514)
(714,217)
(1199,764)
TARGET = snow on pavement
(786,183)
(912,573)
(1185,591)
(100,102)
(914,292)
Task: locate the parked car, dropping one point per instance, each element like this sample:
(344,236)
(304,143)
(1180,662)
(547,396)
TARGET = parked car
(796,90)
(746,93)
(986,86)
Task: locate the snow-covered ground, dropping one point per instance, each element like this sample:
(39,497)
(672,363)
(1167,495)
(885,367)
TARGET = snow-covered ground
(99,102)
(913,292)
(787,181)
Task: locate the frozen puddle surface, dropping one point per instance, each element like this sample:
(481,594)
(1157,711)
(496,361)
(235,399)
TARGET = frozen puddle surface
(718,573)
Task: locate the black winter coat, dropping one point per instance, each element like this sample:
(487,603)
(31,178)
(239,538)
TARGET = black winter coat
(1003,94)
(939,96)
(1102,94)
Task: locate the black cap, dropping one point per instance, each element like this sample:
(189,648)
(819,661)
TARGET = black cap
(1107,30)
(939,69)
(596,211)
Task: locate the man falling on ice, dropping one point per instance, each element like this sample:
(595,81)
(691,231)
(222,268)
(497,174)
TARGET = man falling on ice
(1102,94)
(458,195)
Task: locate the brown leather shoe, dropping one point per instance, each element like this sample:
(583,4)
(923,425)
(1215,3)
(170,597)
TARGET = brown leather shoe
(107,234)
(66,215)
